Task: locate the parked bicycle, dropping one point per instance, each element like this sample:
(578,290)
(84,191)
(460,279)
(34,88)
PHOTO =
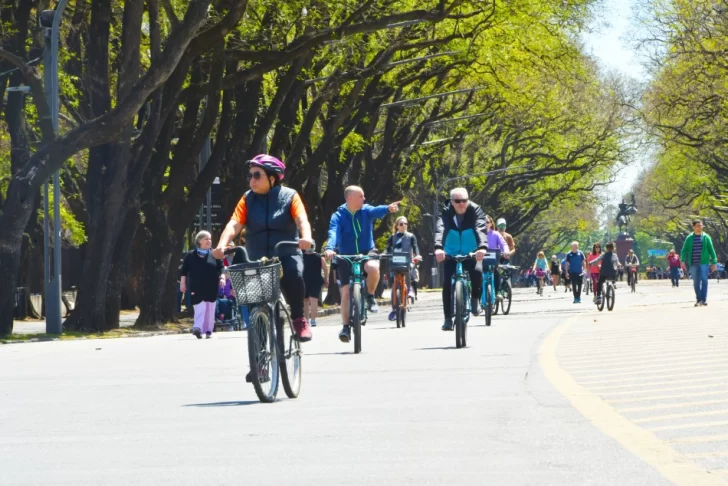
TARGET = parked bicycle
(272,349)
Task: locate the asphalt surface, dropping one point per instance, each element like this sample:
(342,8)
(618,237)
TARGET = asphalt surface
(410,409)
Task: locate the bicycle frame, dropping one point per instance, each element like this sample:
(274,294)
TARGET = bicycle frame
(488,277)
(357,277)
(461,276)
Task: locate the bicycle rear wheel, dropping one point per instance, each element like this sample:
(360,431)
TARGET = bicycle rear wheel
(356,312)
(610,297)
(507,297)
(263,355)
(489,304)
(459,314)
(289,350)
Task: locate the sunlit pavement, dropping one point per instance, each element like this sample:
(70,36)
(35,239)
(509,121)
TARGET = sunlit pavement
(525,403)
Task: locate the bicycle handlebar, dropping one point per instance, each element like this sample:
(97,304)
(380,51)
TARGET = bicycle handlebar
(241,251)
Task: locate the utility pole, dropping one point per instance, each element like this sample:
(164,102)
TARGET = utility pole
(50,21)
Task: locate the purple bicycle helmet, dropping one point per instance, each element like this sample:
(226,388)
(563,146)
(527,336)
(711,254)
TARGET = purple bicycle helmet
(269,164)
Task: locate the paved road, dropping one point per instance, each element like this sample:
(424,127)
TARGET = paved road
(516,407)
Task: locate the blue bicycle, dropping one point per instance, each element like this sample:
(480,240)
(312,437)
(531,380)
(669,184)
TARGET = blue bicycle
(357,287)
(461,289)
(487,298)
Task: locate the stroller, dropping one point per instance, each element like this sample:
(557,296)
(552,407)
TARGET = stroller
(228,314)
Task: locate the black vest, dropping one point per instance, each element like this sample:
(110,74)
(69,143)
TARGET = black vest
(269,222)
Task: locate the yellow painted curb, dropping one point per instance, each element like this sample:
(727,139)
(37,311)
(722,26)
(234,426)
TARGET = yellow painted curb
(640,442)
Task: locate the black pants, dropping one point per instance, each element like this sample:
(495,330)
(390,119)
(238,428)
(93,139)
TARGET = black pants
(292,284)
(414,287)
(600,284)
(476,279)
(576,282)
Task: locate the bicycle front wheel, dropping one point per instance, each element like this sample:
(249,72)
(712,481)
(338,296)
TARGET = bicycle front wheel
(401,303)
(289,351)
(396,300)
(263,355)
(356,313)
(507,297)
(459,314)
(489,304)
(610,297)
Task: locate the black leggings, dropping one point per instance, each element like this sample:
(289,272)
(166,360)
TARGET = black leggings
(292,284)
(476,280)
(576,281)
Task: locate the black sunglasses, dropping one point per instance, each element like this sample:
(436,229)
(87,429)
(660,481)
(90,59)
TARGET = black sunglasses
(402,224)
(459,201)
(254,175)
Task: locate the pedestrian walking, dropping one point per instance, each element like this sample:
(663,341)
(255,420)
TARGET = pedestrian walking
(415,278)
(594,266)
(575,268)
(555,271)
(565,276)
(699,255)
(673,260)
(205,277)
(315,275)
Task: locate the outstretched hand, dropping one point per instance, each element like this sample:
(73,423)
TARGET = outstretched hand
(394,207)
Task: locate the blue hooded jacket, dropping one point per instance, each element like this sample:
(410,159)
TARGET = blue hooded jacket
(353,234)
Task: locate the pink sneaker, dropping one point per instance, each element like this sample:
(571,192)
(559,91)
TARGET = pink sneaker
(303,330)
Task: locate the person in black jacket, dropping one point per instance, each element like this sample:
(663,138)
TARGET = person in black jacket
(608,270)
(205,277)
(402,241)
(461,229)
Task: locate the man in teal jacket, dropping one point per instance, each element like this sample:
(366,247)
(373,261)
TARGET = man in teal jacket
(698,252)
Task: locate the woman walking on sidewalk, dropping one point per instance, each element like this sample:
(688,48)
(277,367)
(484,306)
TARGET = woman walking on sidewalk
(673,259)
(315,274)
(594,266)
(205,278)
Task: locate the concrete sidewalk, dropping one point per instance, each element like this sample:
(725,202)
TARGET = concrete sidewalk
(653,375)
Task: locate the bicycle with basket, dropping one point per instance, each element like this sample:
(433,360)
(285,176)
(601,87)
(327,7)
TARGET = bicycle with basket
(273,350)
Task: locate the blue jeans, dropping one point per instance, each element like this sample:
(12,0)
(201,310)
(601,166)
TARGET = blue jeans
(700,281)
(675,275)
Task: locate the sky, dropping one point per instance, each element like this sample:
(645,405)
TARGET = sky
(608,42)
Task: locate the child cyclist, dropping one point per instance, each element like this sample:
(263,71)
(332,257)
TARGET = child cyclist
(607,270)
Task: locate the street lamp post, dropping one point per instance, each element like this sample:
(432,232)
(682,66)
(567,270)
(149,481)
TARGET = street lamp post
(50,20)
(436,208)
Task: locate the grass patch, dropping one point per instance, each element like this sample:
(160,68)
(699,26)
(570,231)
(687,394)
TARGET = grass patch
(169,328)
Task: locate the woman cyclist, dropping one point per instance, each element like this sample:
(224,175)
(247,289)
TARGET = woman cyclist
(270,214)
(539,267)
(594,265)
(402,241)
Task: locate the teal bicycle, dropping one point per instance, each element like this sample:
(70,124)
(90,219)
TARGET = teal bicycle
(487,297)
(357,289)
(461,289)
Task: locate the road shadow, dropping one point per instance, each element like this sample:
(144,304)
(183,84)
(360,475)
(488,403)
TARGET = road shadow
(436,348)
(223,404)
(341,353)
